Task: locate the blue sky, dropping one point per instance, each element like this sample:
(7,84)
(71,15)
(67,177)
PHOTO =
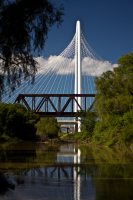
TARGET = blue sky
(106,24)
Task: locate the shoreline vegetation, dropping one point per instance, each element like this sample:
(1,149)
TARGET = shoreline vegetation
(108,122)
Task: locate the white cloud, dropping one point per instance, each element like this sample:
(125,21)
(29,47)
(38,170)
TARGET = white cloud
(96,67)
(64,66)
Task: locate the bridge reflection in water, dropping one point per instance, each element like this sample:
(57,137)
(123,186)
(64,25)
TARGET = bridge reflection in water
(65,174)
(50,172)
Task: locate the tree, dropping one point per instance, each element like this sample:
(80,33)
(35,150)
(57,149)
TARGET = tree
(87,120)
(48,127)
(114,103)
(14,121)
(115,88)
(52,128)
(24,26)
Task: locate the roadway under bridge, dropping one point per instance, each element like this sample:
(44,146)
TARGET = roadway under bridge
(67,125)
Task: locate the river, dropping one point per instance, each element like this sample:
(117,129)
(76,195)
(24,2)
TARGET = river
(65,172)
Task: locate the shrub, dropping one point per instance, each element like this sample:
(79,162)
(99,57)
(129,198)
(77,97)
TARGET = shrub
(14,121)
(48,127)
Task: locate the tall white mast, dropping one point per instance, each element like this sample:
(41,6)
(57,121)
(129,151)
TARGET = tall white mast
(79,65)
(78,68)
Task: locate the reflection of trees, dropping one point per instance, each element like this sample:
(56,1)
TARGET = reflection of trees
(5,184)
(111,171)
(108,163)
(11,154)
(20,156)
(114,189)
(47,156)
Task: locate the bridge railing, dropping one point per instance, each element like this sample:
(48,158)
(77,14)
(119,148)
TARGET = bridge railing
(46,99)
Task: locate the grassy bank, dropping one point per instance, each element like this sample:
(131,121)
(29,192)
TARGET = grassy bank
(77,137)
(82,138)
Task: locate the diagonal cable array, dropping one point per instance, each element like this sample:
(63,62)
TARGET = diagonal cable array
(56,75)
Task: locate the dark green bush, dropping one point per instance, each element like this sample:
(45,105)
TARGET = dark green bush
(48,127)
(14,121)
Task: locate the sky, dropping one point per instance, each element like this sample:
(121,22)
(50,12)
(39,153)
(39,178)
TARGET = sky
(106,24)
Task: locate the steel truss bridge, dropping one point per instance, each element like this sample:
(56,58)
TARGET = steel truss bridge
(46,99)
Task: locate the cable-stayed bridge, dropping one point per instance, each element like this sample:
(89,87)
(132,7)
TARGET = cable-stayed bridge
(64,83)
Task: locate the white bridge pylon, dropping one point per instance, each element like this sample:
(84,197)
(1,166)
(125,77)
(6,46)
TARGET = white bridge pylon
(78,66)
(78,70)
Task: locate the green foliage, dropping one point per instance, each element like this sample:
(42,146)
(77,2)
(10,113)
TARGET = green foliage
(87,120)
(48,127)
(62,134)
(14,121)
(115,88)
(77,136)
(114,104)
(24,27)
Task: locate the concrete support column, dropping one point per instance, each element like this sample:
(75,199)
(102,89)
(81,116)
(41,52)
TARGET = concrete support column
(76,127)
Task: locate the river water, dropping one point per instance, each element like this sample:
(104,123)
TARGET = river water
(65,172)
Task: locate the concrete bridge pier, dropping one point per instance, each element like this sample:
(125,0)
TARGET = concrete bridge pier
(75,127)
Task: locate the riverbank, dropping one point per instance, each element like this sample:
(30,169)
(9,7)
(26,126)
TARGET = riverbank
(6,138)
(81,138)
(77,138)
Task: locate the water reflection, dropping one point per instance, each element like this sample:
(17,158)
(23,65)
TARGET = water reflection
(42,171)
